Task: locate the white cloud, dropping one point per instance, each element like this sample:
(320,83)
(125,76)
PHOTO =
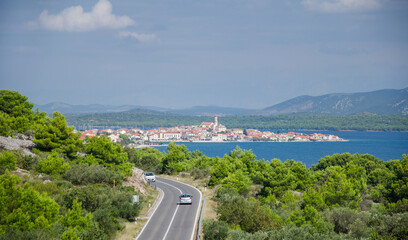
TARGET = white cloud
(139,36)
(74,19)
(336,6)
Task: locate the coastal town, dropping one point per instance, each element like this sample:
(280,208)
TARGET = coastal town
(205,132)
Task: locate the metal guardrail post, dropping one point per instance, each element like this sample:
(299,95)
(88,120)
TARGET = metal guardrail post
(201,219)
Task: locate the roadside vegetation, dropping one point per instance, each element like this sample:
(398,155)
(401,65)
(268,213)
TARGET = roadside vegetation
(343,196)
(72,189)
(67,189)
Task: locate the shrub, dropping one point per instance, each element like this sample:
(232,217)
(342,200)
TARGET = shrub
(200,173)
(7,161)
(118,202)
(84,174)
(305,232)
(23,208)
(215,230)
(343,219)
(24,161)
(106,222)
(250,215)
(150,163)
(53,164)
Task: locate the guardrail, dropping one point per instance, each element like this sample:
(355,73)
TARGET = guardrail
(201,219)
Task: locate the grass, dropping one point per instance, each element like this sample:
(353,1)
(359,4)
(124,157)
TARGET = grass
(131,229)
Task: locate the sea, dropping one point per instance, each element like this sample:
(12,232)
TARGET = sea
(383,145)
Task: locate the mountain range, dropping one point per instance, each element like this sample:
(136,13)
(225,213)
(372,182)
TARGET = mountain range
(381,102)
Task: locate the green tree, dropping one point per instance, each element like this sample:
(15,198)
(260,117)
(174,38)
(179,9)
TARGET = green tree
(338,190)
(222,167)
(69,235)
(176,154)
(109,154)
(105,151)
(23,208)
(399,186)
(313,218)
(54,134)
(15,113)
(75,219)
(297,218)
(314,199)
(14,104)
(238,181)
(277,178)
(53,164)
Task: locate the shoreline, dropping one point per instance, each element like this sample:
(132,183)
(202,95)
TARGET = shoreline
(165,145)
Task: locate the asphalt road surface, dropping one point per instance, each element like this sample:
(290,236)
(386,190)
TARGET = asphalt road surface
(171,220)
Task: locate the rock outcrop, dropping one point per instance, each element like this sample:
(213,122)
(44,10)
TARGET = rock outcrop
(9,143)
(137,181)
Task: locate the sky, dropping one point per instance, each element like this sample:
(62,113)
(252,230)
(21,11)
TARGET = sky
(184,53)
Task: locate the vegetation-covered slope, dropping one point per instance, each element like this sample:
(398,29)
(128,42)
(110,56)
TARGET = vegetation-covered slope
(384,102)
(68,189)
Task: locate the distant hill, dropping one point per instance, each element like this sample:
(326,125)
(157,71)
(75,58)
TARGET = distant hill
(383,102)
(211,110)
(65,108)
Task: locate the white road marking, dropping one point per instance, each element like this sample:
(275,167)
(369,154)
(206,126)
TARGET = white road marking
(157,206)
(198,209)
(168,229)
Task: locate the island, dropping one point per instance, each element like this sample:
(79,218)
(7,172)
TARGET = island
(205,132)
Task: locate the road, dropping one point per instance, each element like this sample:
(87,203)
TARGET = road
(170,220)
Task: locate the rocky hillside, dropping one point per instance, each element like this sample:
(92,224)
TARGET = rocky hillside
(383,102)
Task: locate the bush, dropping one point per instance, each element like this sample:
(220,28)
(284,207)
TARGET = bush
(118,202)
(54,232)
(391,226)
(129,210)
(250,215)
(84,174)
(305,232)
(150,163)
(106,222)
(240,235)
(23,208)
(7,161)
(200,173)
(25,161)
(344,219)
(215,230)
(53,164)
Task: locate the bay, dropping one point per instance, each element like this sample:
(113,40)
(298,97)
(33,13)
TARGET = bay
(383,145)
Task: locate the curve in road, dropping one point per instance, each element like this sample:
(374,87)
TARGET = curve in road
(171,220)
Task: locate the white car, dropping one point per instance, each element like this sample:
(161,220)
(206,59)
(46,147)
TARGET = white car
(186,198)
(149,176)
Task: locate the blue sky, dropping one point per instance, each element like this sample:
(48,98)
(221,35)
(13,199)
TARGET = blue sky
(183,53)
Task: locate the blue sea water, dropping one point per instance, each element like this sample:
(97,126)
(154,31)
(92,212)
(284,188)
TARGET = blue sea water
(383,145)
